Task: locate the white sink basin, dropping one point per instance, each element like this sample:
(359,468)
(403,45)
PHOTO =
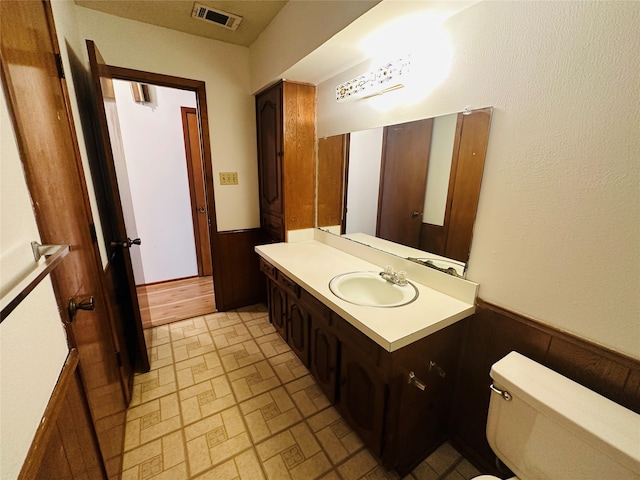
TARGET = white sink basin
(370,289)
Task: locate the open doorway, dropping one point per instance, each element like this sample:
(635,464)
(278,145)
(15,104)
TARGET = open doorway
(163,194)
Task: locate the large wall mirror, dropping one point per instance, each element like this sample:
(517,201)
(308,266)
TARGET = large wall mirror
(411,189)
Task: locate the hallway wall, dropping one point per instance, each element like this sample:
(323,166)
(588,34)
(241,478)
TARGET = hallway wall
(153,142)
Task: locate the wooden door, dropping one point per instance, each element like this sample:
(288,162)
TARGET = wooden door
(403,181)
(118,246)
(37,96)
(332,164)
(465,181)
(197,189)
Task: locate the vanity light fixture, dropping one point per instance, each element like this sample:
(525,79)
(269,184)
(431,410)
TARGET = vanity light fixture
(385,78)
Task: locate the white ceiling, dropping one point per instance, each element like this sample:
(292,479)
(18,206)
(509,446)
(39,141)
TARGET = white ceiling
(389,18)
(342,51)
(176,15)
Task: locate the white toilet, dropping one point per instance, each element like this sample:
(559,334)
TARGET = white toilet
(544,426)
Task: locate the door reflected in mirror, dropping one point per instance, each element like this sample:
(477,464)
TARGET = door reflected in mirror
(415,184)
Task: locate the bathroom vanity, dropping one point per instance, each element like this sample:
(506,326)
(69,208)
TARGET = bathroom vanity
(390,372)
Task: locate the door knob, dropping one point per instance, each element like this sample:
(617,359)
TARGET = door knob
(126,243)
(415,214)
(83,304)
(201,210)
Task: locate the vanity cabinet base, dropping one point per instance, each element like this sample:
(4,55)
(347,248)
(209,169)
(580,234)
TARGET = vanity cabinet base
(400,420)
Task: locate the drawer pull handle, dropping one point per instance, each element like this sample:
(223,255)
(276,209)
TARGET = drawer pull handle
(434,366)
(413,380)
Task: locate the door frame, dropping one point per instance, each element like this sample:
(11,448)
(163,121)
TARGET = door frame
(199,88)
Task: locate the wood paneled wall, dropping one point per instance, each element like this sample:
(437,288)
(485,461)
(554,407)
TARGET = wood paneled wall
(241,283)
(65,444)
(492,332)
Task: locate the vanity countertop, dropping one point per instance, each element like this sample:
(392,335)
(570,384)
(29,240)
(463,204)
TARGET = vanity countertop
(313,264)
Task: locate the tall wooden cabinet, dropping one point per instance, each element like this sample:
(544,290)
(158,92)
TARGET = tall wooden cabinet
(285,118)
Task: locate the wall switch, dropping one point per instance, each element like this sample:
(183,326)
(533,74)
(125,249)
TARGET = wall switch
(228,178)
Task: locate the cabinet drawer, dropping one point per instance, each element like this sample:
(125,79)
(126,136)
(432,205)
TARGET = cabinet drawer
(272,228)
(353,337)
(267,268)
(289,285)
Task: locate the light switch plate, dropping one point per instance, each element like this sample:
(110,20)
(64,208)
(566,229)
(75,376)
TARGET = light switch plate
(228,178)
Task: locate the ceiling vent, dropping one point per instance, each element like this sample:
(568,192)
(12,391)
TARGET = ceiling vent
(211,15)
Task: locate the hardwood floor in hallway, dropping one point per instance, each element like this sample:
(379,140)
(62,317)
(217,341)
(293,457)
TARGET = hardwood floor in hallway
(176,300)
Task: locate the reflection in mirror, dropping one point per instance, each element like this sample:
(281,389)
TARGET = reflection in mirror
(414,184)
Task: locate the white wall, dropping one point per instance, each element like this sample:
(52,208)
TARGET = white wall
(296,31)
(363,182)
(33,344)
(440,156)
(558,225)
(225,70)
(153,142)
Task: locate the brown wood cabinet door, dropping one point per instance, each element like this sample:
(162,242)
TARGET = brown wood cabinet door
(403,181)
(323,356)
(362,397)
(278,308)
(269,125)
(298,330)
(424,415)
(37,97)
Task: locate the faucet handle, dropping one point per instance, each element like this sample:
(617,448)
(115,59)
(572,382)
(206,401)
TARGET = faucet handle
(401,278)
(388,270)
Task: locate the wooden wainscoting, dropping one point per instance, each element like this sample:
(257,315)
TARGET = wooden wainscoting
(241,283)
(175,300)
(65,444)
(492,332)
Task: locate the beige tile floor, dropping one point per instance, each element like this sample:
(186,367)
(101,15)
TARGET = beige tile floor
(226,399)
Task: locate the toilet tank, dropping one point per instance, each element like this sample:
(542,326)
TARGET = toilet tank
(555,429)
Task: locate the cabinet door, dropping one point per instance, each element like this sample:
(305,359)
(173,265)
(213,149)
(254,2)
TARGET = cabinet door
(298,337)
(423,415)
(323,350)
(278,308)
(362,397)
(269,124)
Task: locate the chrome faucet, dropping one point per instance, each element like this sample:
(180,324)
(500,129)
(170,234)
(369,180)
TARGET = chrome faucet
(397,278)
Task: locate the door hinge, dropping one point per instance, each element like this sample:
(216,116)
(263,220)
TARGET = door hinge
(92,232)
(119,359)
(59,65)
